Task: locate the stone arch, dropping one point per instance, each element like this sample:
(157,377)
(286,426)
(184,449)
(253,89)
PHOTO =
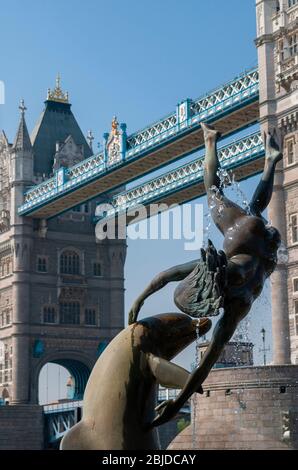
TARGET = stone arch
(78,365)
(5,394)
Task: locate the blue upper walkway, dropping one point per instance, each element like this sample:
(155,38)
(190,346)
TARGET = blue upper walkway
(231,107)
(185,183)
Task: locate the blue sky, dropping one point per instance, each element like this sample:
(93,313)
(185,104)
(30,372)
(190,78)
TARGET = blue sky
(135,59)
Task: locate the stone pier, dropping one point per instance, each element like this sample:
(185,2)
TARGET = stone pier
(245,408)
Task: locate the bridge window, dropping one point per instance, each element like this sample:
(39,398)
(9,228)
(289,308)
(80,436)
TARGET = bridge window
(90,316)
(49,314)
(5,363)
(6,266)
(42,264)
(295,285)
(294,228)
(290,151)
(293,44)
(5,317)
(70,313)
(69,263)
(82,208)
(97,269)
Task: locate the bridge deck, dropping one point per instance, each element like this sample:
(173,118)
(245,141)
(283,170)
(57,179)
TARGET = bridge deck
(232,107)
(60,417)
(185,183)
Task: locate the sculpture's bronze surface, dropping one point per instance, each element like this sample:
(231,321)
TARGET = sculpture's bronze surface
(121,392)
(233,279)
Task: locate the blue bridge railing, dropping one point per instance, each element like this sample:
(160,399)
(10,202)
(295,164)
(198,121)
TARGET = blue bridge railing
(233,155)
(188,115)
(60,417)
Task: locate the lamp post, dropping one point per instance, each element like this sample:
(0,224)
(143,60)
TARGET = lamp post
(264,349)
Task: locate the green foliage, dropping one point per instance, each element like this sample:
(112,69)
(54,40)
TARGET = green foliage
(182,424)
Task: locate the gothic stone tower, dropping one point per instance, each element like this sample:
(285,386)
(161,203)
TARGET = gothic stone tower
(61,293)
(277,43)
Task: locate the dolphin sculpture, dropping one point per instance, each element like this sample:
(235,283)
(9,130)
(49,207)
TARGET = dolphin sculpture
(121,393)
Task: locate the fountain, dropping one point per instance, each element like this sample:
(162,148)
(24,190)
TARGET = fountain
(241,408)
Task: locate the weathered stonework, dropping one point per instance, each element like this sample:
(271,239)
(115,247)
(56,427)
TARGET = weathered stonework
(16,435)
(61,292)
(245,408)
(278,69)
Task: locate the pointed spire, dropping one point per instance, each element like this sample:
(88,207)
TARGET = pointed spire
(3,139)
(22,140)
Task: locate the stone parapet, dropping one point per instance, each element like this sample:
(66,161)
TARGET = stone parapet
(21,427)
(245,408)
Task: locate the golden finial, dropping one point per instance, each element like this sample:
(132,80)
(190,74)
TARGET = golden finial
(57,94)
(58,80)
(115,125)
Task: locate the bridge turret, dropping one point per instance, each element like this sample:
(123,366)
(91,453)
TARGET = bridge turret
(276,41)
(21,165)
(21,171)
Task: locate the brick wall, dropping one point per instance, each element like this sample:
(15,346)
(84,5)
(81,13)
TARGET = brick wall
(21,427)
(245,408)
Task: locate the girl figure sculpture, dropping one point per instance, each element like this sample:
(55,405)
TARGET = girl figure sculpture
(232,279)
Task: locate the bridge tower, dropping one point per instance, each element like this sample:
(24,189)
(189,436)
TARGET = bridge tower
(61,292)
(277,43)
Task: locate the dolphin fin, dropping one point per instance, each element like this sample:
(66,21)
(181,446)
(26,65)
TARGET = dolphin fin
(166,373)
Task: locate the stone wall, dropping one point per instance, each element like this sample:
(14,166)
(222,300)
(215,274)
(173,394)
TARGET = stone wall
(22,427)
(245,408)
(168,431)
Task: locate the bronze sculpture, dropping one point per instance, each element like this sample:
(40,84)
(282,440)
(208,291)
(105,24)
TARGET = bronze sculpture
(232,279)
(121,392)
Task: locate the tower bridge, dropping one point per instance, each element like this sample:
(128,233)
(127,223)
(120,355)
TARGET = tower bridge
(62,292)
(232,107)
(185,183)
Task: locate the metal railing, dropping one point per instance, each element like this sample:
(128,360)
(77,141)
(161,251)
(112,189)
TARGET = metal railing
(223,100)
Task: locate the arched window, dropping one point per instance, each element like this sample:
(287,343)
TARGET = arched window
(97,270)
(90,316)
(70,313)
(291,3)
(7,317)
(49,314)
(69,262)
(5,394)
(42,264)
(5,363)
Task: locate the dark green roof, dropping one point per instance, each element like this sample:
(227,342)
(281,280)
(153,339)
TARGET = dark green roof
(55,124)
